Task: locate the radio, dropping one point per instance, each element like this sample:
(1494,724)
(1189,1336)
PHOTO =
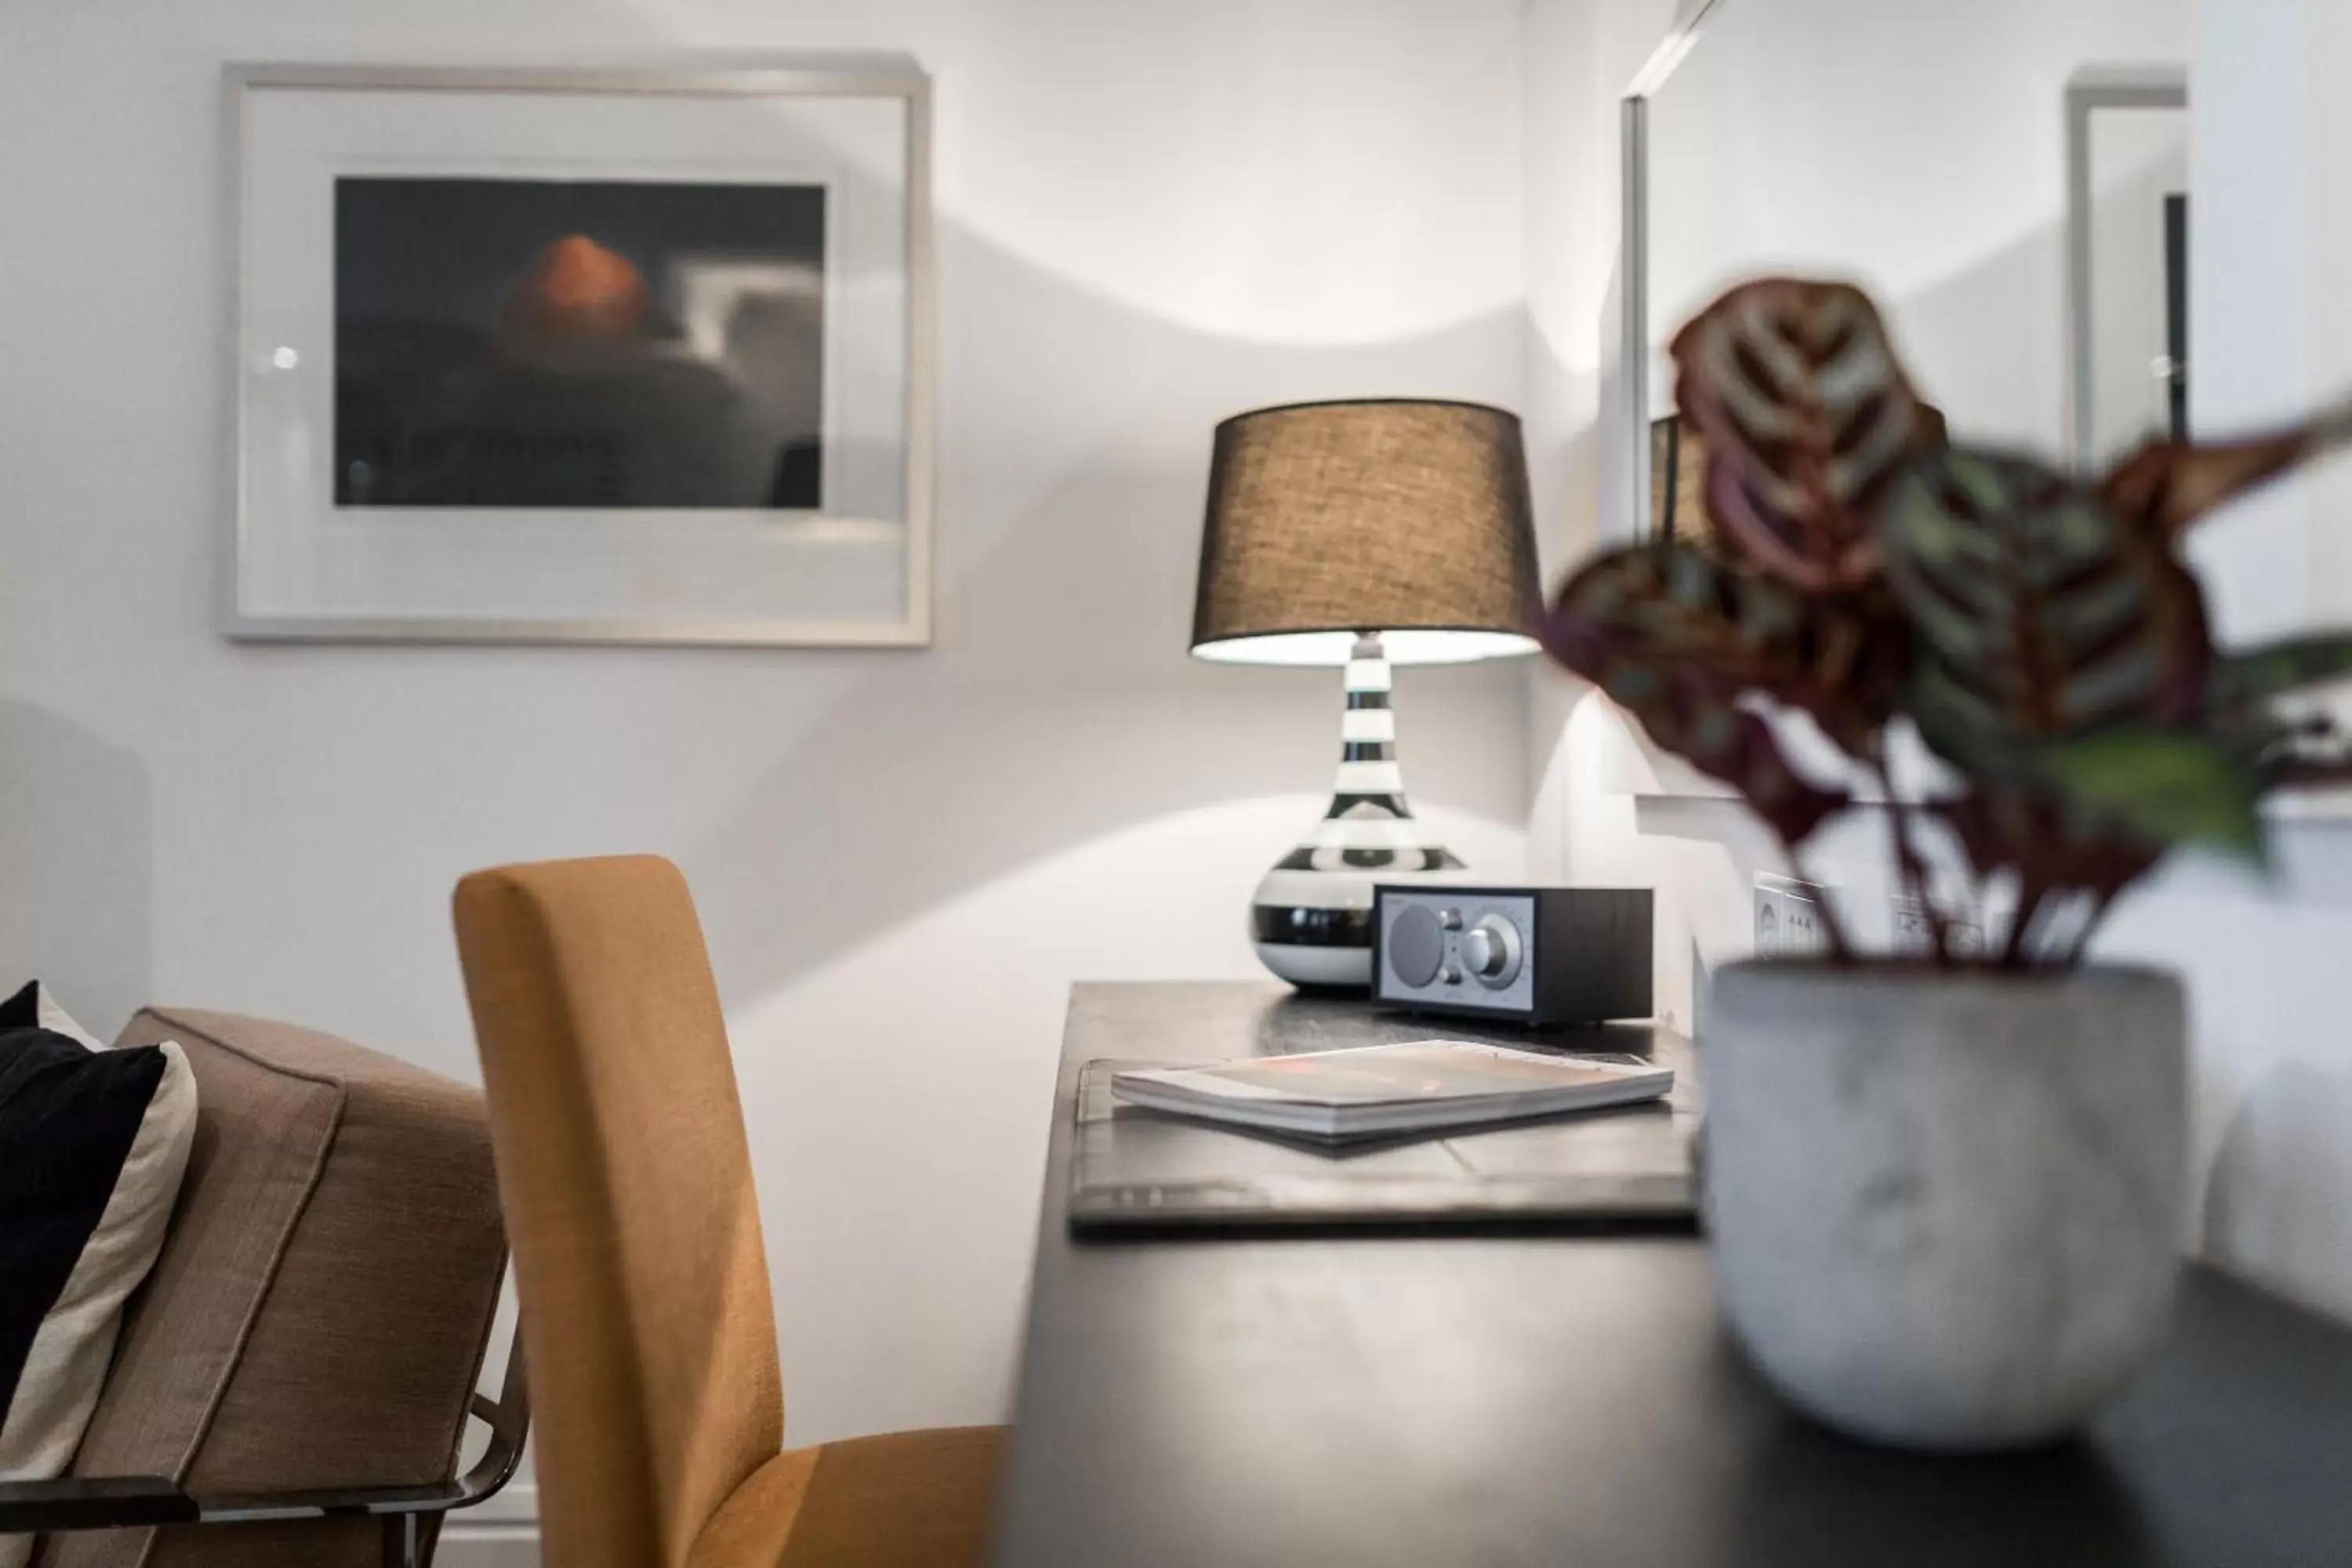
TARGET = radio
(1532,955)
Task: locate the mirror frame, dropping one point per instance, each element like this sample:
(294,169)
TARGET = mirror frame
(1690,17)
(2088,90)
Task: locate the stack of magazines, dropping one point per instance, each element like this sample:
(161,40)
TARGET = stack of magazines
(1420,1086)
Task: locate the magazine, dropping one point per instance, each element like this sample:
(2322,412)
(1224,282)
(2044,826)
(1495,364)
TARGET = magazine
(1417,1086)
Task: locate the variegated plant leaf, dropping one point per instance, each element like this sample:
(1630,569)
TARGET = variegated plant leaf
(2168,787)
(2285,750)
(2166,486)
(1808,418)
(2303,752)
(1679,638)
(2001,825)
(2255,675)
(2037,616)
(1841,658)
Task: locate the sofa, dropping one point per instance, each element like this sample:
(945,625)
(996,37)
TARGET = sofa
(294,1379)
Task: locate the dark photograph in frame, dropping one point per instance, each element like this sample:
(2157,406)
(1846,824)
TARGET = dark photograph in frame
(566,344)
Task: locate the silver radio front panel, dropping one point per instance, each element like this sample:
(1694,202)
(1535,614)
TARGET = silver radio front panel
(1451,936)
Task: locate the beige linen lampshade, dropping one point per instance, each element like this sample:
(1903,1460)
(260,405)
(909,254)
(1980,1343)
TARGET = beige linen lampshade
(1407,517)
(1361,535)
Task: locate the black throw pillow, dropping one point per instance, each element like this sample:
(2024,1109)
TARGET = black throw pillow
(93,1145)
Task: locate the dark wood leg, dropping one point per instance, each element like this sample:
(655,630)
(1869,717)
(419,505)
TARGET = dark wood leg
(400,1542)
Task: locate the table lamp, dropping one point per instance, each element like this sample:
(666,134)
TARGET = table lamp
(1361,535)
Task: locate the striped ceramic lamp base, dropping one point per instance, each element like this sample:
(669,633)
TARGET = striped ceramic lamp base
(1312,916)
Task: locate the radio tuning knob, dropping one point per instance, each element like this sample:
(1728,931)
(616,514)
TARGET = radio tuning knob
(1492,950)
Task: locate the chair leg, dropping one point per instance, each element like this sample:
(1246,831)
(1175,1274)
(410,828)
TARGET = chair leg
(401,1545)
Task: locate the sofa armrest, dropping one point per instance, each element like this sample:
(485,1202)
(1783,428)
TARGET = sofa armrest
(125,1502)
(92,1502)
(130,1502)
(319,1315)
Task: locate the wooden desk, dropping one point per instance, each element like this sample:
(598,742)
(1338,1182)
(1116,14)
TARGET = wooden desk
(1445,1401)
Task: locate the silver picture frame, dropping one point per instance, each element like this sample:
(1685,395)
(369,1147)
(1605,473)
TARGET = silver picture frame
(885,77)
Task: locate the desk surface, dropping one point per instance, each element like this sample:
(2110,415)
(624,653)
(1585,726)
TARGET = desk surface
(1435,1401)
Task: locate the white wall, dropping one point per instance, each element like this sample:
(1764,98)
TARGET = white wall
(2272,226)
(1915,149)
(1579,54)
(1150,216)
(2271,239)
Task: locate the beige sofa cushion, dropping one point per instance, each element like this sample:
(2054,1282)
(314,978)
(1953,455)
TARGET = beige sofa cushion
(319,1312)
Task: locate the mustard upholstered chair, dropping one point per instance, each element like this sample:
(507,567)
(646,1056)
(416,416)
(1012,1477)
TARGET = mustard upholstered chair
(626,1183)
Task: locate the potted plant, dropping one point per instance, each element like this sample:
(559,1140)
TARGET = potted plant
(1946,1192)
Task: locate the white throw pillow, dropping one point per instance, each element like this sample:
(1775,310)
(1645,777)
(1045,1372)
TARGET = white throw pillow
(49,1013)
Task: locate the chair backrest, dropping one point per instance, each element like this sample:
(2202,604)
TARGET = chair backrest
(627,1187)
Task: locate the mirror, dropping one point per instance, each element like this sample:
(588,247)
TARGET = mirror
(1923,153)
(2127,260)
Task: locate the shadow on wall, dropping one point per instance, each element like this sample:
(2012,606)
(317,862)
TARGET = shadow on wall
(2275,1203)
(1985,341)
(1719,848)
(77,867)
(1059,703)
(1987,344)
(1563,442)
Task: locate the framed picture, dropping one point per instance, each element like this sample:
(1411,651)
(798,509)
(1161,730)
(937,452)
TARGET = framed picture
(581,355)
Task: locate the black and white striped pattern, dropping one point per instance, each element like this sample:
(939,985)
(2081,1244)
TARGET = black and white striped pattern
(1369,825)
(1312,917)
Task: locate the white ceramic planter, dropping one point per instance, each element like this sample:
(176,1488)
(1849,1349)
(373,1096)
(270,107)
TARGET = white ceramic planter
(1946,1209)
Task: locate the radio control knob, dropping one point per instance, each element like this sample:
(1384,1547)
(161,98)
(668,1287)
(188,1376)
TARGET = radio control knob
(1492,950)
(1453,976)
(1449,918)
